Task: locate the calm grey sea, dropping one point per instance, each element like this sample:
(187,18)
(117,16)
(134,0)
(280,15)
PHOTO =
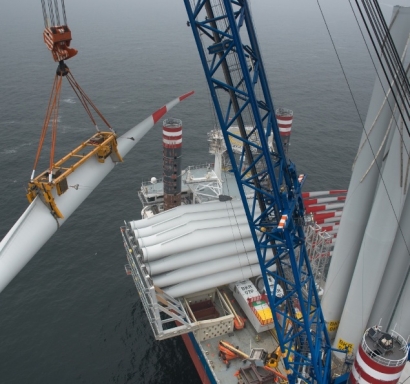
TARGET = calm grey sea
(72,315)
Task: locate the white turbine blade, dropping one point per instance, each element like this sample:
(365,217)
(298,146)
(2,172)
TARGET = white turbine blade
(37,224)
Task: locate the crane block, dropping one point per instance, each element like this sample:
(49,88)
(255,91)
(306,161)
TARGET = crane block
(58,40)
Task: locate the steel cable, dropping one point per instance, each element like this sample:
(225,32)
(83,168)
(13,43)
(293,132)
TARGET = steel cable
(63,9)
(401,94)
(51,12)
(44,14)
(57,12)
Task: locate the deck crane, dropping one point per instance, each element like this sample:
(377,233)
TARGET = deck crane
(57,37)
(230,55)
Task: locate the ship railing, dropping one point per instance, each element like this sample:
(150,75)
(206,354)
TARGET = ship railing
(146,202)
(318,247)
(166,315)
(200,166)
(209,166)
(149,182)
(383,360)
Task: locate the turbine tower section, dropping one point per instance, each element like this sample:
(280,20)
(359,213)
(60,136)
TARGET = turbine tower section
(284,118)
(381,358)
(366,193)
(383,221)
(172,156)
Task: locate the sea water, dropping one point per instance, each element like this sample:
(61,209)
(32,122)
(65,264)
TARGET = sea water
(72,315)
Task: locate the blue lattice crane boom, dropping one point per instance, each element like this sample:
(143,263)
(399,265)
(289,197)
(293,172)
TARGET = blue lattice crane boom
(230,55)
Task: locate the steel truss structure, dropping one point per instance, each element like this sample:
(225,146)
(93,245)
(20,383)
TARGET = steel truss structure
(229,52)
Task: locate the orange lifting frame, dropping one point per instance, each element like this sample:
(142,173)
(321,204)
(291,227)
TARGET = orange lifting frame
(103,144)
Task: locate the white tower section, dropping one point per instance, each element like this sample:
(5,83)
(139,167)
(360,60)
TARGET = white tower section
(376,245)
(391,306)
(359,202)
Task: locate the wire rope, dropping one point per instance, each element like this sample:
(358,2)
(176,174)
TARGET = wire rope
(387,57)
(64,14)
(43,6)
(51,12)
(57,12)
(404,78)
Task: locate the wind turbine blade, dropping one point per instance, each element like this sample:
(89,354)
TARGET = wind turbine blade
(36,225)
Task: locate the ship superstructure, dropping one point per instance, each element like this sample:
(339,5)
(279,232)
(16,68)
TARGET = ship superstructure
(179,259)
(197,271)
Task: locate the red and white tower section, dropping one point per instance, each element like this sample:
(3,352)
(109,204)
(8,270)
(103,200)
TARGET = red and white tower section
(172,154)
(284,118)
(380,359)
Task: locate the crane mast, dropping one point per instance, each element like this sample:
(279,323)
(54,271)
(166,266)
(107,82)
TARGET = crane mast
(232,62)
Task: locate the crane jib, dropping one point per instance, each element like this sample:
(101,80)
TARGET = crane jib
(233,67)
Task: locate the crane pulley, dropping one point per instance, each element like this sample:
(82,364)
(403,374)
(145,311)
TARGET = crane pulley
(57,37)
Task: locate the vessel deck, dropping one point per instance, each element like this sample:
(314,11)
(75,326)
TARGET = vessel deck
(243,339)
(152,193)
